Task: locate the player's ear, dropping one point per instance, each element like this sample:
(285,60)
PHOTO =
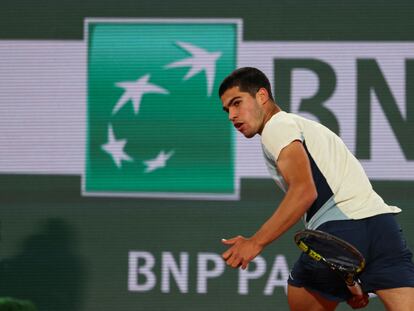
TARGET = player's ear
(262,95)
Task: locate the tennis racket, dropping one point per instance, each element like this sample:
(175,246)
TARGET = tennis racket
(337,254)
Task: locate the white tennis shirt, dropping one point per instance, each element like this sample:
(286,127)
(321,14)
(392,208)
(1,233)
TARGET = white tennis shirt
(344,190)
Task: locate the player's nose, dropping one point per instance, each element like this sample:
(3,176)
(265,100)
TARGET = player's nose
(232,115)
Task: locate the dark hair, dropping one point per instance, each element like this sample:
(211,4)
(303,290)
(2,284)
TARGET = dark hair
(248,79)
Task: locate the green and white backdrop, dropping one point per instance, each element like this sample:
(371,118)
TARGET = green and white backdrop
(119,173)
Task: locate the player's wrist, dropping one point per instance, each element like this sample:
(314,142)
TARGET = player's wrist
(258,241)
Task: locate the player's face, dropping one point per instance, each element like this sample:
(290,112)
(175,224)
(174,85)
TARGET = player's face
(245,111)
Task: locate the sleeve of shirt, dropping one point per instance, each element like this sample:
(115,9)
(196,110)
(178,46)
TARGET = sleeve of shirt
(278,134)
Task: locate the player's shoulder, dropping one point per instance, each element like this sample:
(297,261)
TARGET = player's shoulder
(279,123)
(279,131)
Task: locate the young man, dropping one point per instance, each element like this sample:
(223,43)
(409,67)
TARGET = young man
(326,186)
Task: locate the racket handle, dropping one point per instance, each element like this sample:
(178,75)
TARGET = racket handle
(355,289)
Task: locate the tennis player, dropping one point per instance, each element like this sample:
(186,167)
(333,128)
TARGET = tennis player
(326,186)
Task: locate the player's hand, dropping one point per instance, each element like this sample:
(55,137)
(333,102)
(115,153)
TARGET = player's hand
(358,302)
(241,252)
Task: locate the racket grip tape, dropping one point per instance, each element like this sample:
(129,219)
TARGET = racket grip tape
(355,289)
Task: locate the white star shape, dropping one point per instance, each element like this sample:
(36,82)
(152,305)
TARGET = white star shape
(158,162)
(201,60)
(115,148)
(134,90)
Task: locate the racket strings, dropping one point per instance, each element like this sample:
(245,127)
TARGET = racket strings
(341,255)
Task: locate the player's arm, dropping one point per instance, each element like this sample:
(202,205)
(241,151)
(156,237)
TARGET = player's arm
(293,164)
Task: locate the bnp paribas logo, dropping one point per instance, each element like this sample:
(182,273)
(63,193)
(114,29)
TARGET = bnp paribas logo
(155,127)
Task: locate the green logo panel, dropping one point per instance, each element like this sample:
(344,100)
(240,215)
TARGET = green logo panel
(155,123)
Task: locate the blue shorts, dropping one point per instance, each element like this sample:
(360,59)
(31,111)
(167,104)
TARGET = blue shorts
(379,238)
